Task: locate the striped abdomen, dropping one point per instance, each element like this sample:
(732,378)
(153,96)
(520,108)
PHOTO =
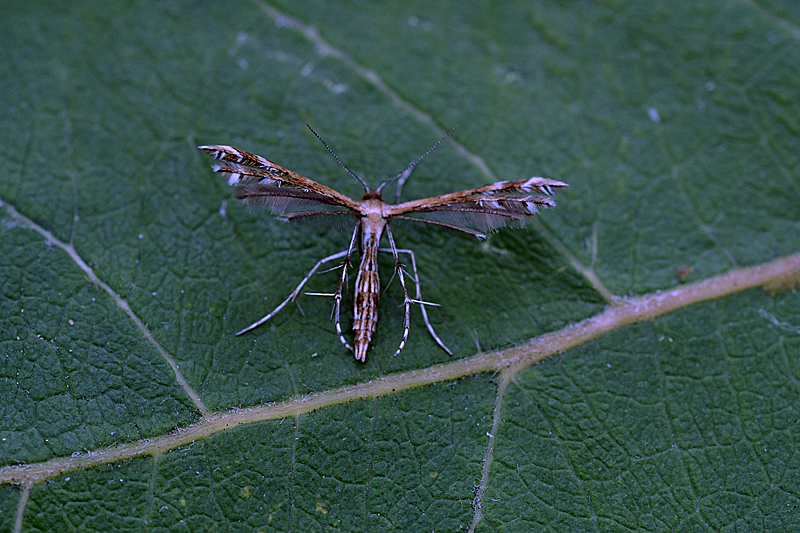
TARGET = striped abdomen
(367,291)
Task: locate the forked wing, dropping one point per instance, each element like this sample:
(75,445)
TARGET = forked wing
(484,208)
(284,192)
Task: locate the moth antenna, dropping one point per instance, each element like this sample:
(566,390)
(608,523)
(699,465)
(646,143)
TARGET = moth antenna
(364,183)
(407,171)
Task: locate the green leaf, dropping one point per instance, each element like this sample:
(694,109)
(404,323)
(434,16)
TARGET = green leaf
(126,268)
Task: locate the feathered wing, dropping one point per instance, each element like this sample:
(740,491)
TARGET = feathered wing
(483,209)
(285,193)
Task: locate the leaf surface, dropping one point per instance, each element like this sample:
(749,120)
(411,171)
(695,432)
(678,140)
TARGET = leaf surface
(127,266)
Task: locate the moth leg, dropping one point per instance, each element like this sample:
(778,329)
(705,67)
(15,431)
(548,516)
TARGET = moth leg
(295,292)
(338,294)
(398,269)
(422,303)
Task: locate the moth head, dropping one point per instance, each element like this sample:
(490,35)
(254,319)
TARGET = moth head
(371,195)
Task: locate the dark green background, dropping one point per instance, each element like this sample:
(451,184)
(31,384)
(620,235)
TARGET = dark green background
(687,423)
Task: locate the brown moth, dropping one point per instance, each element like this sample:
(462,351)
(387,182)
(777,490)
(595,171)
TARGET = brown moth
(293,197)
